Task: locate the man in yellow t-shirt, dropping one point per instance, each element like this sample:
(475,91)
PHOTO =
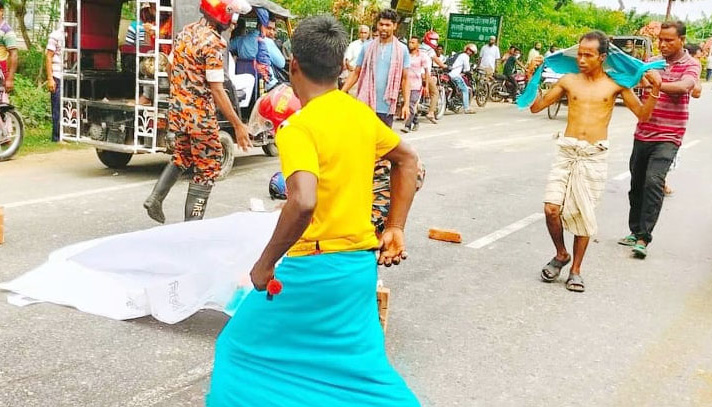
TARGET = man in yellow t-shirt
(319,342)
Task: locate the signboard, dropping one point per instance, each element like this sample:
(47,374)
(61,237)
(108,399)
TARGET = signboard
(405,6)
(473,27)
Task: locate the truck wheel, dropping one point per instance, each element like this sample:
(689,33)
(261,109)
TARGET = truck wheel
(228,158)
(113,159)
(270,150)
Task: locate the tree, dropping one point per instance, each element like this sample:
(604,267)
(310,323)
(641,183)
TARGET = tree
(668,13)
(19,8)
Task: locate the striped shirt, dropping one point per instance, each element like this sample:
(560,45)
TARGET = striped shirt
(55,42)
(669,119)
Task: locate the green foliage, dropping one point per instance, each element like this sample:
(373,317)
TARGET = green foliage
(30,64)
(32,101)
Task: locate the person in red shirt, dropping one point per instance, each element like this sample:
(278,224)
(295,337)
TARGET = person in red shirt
(657,141)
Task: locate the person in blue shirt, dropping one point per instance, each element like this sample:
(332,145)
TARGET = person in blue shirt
(257,45)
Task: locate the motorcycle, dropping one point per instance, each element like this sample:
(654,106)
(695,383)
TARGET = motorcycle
(479,86)
(12,129)
(424,105)
(499,90)
(453,94)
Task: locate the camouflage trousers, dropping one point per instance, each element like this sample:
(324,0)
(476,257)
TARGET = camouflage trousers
(382,192)
(201,151)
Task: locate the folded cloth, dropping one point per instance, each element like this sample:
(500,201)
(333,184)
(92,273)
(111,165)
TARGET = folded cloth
(621,67)
(576,182)
(318,343)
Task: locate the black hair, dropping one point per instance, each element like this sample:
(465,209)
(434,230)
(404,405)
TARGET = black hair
(318,45)
(388,14)
(599,36)
(272,18)
(679,26)
(2,5)
(692,48)
(415,37)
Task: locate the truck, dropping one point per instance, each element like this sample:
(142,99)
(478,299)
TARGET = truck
(103,82)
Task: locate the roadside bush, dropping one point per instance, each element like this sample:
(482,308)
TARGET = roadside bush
(30,63)
(32,101)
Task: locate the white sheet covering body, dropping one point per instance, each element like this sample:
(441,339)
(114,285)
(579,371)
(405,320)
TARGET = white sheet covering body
(169,272)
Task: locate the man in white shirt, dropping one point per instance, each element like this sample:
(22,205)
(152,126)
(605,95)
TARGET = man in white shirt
(462,64)
(53,67)
(489,56)
(354,50)
(534,52)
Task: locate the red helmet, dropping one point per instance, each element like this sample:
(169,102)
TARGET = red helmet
(431,39)
(273,108)
(224,12)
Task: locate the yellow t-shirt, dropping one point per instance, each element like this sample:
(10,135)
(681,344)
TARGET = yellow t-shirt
(338,139)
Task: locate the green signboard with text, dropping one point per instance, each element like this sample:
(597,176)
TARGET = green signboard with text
(473,27)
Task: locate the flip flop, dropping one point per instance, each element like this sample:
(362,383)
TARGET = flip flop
(640,251)
(575,283)
(551,271)
(629,240)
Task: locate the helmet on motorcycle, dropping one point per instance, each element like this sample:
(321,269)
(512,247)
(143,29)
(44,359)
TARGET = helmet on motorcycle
(471,47)
(224,12)
(431,39)
(277,186)
(272,109)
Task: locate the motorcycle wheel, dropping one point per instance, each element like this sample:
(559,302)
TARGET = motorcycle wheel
(553,110)
(495,93)
(16,132)
(481,94)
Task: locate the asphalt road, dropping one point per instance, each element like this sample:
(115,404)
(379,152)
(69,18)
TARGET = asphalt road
(470,324)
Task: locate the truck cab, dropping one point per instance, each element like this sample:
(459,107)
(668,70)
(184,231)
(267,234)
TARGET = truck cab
(115,96)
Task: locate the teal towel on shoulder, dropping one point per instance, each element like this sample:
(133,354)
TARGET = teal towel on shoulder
(621,67)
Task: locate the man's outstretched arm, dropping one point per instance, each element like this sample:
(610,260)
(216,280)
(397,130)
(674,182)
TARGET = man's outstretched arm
(643,111)
(549,98)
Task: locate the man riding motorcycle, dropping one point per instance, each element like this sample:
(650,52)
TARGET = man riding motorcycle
(429,47)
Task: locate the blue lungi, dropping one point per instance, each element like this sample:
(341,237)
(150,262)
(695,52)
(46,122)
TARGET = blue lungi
(317,344)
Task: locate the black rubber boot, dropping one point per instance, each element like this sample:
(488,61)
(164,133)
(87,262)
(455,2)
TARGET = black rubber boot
(154,202)
(196,201)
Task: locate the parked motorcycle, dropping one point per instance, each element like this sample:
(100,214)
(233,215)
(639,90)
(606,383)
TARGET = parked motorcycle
(499,89)
(479,86)
(12,131)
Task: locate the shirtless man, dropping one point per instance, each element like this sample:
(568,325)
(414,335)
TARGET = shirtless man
(582,152)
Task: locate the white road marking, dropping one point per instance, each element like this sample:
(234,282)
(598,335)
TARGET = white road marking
(505,231)
(464,169)
(622,176)
(78,194)
(499,124)
(625,175)
(522,120)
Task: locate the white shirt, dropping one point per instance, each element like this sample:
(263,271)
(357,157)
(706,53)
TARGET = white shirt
(709,61)
(490,55)
(431,54)
(533,53)
(462,63)
(352,53)
(55,43)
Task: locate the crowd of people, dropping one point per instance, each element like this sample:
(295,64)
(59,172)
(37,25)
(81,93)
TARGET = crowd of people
(333,352)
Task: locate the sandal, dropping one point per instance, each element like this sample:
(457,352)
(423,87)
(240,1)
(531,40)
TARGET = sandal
(575,283)
(551,271)
(629,240)
(640,251)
